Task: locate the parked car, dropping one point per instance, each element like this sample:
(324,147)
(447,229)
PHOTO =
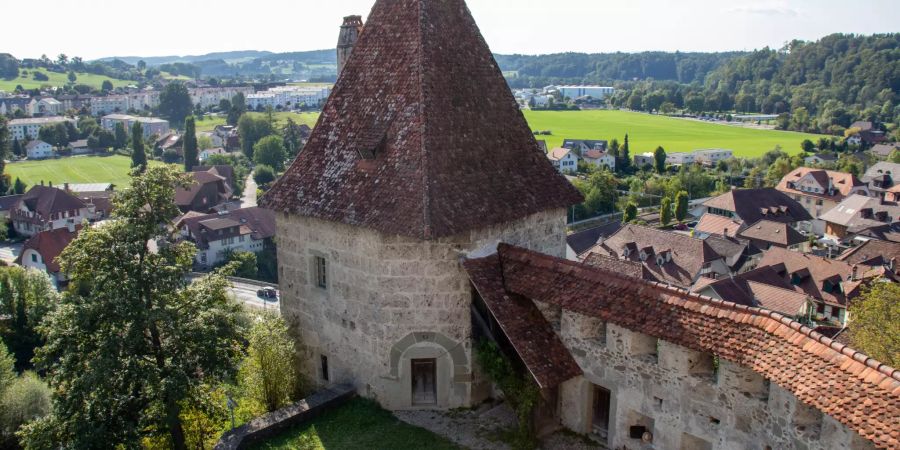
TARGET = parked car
(267,292)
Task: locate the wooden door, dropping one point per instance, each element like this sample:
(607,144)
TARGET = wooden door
(424,381)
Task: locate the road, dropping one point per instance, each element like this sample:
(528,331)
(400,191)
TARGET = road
(246,294)
(248,200)
(9,252)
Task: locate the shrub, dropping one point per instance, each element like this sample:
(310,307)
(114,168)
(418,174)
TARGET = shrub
(263,175)
(267,375)
(28,398)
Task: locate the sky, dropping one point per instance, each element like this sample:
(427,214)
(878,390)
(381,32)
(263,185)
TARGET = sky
(101,28)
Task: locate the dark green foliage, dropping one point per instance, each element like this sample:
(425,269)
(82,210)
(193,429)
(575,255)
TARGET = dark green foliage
(19,187)
(106,86)
(138,156)
(599,192)
(56,135)
(292,137)
(270,151)
(263,175)
(518,388)
(9,66)
(681,206)
(175,103)
(39,76)
(252,129)
(659,157)
(26,297)
(243,264)
(665,211)
(121,136)
(631,212)
(189,145)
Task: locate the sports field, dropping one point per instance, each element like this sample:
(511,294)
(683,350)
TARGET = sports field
(77,169)
(308,118)
(58,79)
(646,132)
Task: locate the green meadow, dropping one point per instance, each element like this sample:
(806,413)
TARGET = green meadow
(308,118)
(77,169)
(58,79)
(646,132)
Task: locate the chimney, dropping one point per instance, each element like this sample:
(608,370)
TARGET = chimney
(854,273)
(350,30)
(66,187)
(71,227)
(725,233)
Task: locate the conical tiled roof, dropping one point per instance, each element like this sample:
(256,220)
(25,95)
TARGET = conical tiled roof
(421,135)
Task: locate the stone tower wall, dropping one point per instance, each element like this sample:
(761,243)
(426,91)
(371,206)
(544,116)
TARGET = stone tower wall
(350,30)
(390,299)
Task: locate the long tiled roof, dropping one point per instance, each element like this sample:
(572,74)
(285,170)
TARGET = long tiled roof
(858,391)
(777,233)
(753,205)
(872,252)
(842,182)
(719,225)
(421,136)
(49,244)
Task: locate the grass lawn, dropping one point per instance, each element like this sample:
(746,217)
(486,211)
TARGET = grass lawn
(360,424)
(646,132)
(309,118)
(78,169)
(58,79)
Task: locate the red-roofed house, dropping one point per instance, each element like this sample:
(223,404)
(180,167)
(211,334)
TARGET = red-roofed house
(41,251)
(208,190)
(45,208)
(820,190)
(565,160)
(240,230)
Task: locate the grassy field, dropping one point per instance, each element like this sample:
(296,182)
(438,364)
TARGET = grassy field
(646,132)
(360,424)
(58,79)
(78,169)
(309,118)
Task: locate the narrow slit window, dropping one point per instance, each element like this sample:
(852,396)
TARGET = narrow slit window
(321,272)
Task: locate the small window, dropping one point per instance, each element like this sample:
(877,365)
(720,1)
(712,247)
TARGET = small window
(321,272)
(835,312)
(33,258)
(324,361)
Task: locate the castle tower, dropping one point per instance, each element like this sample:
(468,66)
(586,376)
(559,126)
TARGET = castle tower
(349,34)
(421,157)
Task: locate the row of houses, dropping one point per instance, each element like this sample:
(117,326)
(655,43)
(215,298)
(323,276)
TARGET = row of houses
(52,217)
(593,152)
(745,249)
(288,97)
(708,157)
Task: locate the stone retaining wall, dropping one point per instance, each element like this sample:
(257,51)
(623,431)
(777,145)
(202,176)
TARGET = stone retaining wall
(277,422)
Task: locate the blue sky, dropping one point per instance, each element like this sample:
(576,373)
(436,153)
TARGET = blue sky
(98,28)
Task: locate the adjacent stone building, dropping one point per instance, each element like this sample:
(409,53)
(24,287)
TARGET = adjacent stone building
(400,245)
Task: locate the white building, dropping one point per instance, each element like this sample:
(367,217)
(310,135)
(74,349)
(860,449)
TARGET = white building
(565,160)
(38,150)
(208,97)
(599,159)
(120,103)
(152,125)
(574,92)
(679,158)
(49,107)
(712,156)
(288,97)
(217,235)
(24,103)
(45,208)
(27,129)
(205,154)
(643,159)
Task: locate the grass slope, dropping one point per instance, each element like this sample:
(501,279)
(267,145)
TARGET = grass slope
(360,424)
(79,169)
(308,118)
(646,132)
(58,79)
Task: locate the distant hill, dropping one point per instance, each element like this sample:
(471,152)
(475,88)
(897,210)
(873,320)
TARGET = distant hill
(160,60)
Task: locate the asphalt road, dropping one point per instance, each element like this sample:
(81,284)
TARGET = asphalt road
(246,294)
(9,252)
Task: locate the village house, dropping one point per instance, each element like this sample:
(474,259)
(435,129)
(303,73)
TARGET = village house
(643,160)
(208,190)
(868,134)
(884,151)
(96,196)
(38,150)
(45,208)
(75,102)
(678,159)
(749,206)
(564,160)
(205,154)
(580,146)
(49,106)
(394,264)
(820,159)
(599,158)
(217,235)
(765,234)
(881,177)
(24,103)
(760,288)
(856,215)
(819,191)
(7,203)
(716,225)
(79,147)
(711,156)
(42,250)
(579,243)
(122,103)
(874,254)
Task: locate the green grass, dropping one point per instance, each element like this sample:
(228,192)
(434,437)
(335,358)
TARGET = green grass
(78,169)
(58,79)
(309,118)
(360,424)
(646,132)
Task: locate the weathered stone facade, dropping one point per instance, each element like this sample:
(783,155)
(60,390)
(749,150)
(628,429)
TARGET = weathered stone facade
(350,30)
(391,299)
(686,399)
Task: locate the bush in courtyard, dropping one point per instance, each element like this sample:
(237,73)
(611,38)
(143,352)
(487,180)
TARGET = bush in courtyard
(267,375)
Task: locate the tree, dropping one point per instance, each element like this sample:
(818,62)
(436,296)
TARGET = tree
(141,65)
(808,146)
(267,374)
(781,167)
(252,129)
(293,137)
(121,139)
(895,157)
(72,77)
(631,211)
(17,148)
(175,102)
(56,135)
(263,175)
(106,86)
(189,145)
(224,105)
(27,398)
(876,322)
(270,151)
(665,211)
(132,337)
(19,187)
(659,157)
(244,264)
(238,108)
(26,297)
(4,141)
(755,179)
(138,156)
(625,154)
(681,206)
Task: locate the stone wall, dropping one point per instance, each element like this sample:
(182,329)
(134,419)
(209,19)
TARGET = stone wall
(390,299)
(686,399)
